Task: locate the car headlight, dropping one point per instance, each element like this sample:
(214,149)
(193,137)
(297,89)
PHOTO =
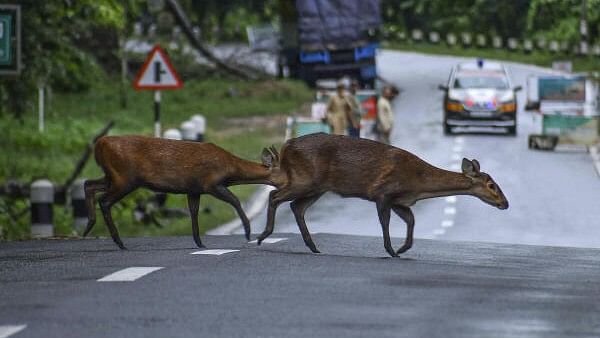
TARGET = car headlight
(456,95)
(506,96)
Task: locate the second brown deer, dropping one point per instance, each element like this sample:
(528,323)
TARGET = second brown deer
(393,178)
(170,166)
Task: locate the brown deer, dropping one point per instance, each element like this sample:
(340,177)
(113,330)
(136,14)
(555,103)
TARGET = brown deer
(170,166)
(391,177)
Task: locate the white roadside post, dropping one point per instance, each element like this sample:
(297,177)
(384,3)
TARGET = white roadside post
(172,134)
(188,131)
(434,37)
(80,212)
(200,123)
(451,39)
(497,42)
(42,215)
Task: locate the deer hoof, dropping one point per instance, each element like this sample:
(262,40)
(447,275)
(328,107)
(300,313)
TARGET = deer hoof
(392,253)
(315,250)
(402,250)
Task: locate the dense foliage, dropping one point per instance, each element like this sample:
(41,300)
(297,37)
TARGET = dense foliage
(552,19)
(50,30)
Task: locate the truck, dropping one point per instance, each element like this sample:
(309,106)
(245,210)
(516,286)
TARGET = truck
(321,39)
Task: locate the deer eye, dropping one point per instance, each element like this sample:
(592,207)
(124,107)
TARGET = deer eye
(491,186)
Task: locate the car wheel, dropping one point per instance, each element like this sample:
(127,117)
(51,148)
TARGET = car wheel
(447,129)
(513,130)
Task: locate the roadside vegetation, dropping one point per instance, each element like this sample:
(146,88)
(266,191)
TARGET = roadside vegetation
(544,59)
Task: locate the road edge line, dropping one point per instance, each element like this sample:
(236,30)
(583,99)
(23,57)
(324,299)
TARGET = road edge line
(593,150)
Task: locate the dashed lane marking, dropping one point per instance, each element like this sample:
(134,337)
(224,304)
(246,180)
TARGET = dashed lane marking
(449,210)
(457,148)
(215,252)
(447,223)
(456,157)
(270,240)
(129,274)
(459,140)
(451,199)
(9,330)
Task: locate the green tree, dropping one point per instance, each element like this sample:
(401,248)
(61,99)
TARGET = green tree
(54,35)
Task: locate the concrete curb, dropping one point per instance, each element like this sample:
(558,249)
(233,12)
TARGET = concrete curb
(595,154)
(254,206)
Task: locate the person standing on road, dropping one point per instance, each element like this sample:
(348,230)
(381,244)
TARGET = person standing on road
(385,115)
(356,111)
(338,111)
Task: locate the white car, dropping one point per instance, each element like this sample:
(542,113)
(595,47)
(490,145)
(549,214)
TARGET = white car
(480,94)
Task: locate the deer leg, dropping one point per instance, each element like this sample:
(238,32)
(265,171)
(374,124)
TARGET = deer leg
(383,211)
(194,205)
(406,214)
(106,202)
(225,195)
(275,199)
(91,187)
(299,207)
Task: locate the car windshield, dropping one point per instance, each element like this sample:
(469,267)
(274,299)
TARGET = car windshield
(486,81)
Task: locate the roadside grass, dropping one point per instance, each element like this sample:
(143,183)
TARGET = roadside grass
(544,59)
(72,120)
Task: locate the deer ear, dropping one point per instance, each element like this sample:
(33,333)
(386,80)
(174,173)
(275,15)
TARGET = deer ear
(275,153)
(476,166)
(267,157)
(468,168)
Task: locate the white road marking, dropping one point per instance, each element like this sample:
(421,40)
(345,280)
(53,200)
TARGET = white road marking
(449,210)
(455,166)
(215,252)
(129,274)
(447,223)
(459,140)
(439,232)
(595,158)
(457,148)
(456,157)
(451,199)
(9,330)
(270,240)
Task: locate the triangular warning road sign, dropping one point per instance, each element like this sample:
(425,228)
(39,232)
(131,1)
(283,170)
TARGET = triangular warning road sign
(157,72)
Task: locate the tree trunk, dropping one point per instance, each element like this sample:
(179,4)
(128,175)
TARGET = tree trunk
(186,27)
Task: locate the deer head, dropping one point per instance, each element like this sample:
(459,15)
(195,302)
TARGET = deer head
(483,186)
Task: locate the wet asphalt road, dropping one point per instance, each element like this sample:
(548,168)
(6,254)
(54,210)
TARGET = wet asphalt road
(352,289)
(554,196)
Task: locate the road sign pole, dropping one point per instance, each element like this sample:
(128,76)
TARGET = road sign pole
(157,113)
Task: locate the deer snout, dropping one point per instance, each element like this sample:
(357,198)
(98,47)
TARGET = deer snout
(503,205)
